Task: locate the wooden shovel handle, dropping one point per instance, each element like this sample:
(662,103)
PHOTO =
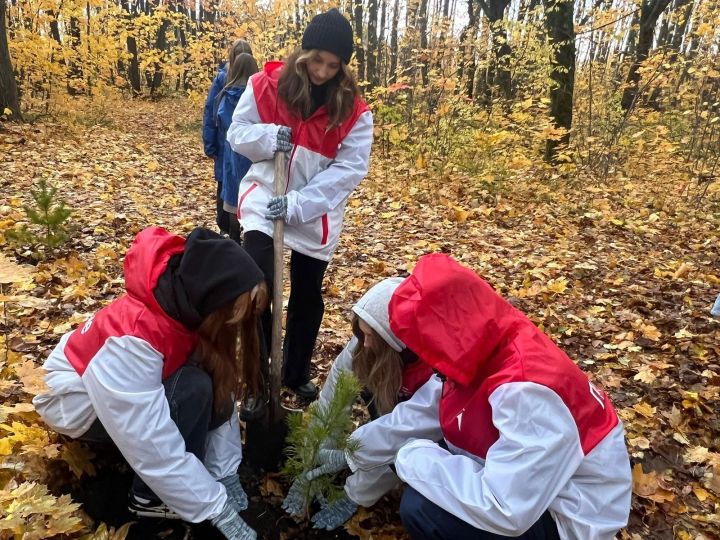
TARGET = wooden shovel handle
(276,354)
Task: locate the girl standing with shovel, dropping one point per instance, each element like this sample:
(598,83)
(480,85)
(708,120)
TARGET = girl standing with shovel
(309,107)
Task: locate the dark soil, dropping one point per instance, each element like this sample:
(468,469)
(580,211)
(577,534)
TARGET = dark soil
(104,499)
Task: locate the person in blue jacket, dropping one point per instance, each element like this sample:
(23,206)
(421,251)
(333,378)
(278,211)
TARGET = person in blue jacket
(234,165)
(213,142)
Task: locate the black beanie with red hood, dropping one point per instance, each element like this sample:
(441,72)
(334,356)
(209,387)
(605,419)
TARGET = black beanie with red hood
(211,271)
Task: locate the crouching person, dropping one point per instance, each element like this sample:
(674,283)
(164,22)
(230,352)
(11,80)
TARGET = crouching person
(390,373)
(533,449)
(156,372)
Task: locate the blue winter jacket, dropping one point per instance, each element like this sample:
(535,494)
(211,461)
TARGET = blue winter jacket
(213,142)
(234,166)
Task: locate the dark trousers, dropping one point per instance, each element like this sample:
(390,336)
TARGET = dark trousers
(305,307)
(189,392)
(221,217)
(234,229)
(424,520)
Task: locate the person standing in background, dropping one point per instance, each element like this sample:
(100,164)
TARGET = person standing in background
(213,140)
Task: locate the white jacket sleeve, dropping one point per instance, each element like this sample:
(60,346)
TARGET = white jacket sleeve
(327,189)
(124,383)
(247,134)
(343,363)
(223,452)
(537,452)
(416,418)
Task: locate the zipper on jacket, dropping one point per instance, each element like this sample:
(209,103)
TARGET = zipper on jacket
(242,197)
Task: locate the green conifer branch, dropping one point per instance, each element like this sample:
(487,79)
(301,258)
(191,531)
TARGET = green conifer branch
(319,427)
(49,214)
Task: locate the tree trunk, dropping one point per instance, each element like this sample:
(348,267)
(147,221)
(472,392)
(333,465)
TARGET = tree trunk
(134,67)
(467,62)
(54,26)
(359,49)
(74,71)
(8,88)
(423,31)
(381,60)
(650,11)
(559,17)
(631,43)
(160,45)
(372,40)
(499,69)
(392,75)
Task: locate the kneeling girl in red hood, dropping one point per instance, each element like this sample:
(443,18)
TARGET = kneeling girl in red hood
(529,447)
(157,373)
(390,373)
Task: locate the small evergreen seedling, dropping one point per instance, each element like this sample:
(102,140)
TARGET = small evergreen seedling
(322,427)
(49,215)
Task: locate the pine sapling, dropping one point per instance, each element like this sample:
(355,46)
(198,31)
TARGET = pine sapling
(322,426)
(50,215)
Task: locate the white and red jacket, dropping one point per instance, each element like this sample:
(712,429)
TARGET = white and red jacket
(324,167)
(367,487)
(525,428)
(112,369)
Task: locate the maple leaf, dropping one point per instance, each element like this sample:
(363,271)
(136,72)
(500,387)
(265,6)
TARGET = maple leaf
(696,454)
(78,457)
(11,272)
(32,377)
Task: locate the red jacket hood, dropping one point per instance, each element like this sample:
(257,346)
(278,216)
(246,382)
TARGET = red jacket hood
(451,317)
(151,250)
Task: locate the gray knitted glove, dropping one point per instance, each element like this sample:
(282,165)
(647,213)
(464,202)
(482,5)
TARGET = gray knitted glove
(276,208)
(295,502)
(283,139)
(236,494)
(331,516)
(232,525)
(331,461)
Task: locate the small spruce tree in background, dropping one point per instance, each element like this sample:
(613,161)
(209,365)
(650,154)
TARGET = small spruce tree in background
(322,427)
(49,216)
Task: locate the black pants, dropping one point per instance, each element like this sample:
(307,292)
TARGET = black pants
(305,307)
(221,217)
(424,520)
(234,229)
(189,392)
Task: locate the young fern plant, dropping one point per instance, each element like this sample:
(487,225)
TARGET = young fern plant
(322,426)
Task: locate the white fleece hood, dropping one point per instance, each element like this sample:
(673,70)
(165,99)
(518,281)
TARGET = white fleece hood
(373,309)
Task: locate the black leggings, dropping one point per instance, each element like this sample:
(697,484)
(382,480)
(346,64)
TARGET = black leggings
(305,307)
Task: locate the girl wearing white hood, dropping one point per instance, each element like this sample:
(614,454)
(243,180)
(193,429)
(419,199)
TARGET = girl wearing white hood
(390,373)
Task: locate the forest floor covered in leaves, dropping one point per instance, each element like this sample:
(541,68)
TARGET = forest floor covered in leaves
(622,274)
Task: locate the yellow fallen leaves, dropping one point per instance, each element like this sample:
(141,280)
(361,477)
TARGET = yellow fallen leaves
(79,458)
(11,272)
(24,439)
(645,410)
(105,533)
(650,485)
(28,511)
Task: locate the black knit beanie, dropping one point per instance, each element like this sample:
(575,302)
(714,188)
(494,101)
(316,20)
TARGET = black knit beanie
(331,32)
(215,270)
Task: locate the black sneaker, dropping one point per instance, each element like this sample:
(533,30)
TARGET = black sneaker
(307,390)
(253,408)
(142,507)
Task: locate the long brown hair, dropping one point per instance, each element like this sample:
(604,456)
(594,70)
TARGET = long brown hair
(233,367)
(240,70)
(294,88)
(237,47)
(380,371)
